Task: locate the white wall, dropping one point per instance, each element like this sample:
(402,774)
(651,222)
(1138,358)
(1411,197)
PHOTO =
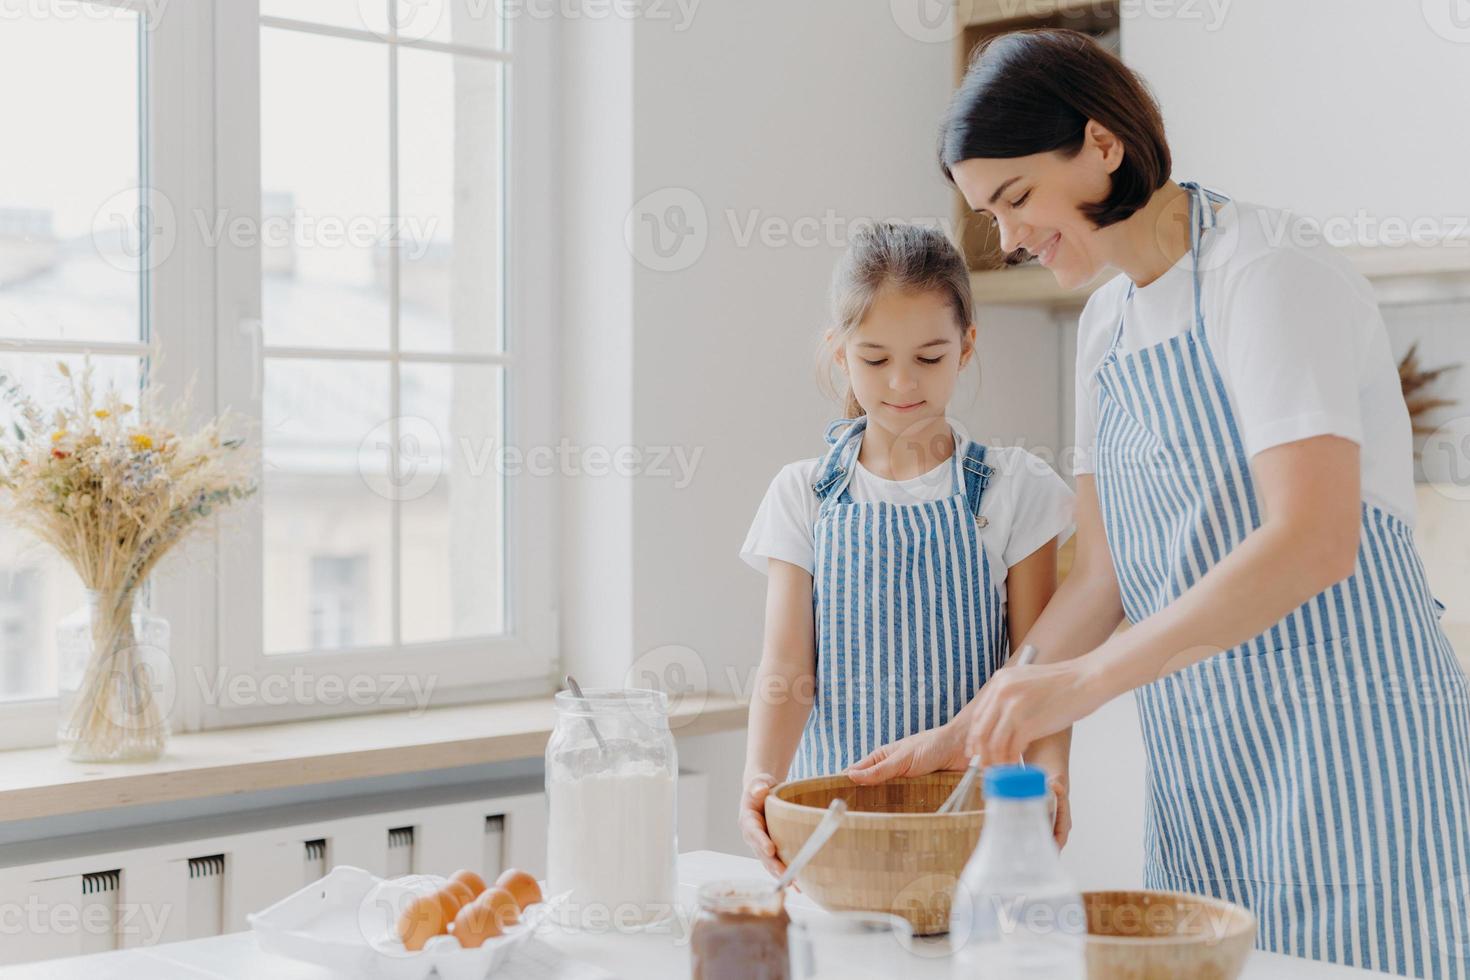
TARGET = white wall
(1321,106)
(595,339)
(796,117)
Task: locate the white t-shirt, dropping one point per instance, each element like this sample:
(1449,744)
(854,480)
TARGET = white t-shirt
(1025,505)
(1295,331)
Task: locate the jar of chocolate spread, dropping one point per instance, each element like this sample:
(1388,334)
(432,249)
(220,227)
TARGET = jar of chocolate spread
(740,932)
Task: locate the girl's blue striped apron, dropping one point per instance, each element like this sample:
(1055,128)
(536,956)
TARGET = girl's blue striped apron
(1318,774)
(909,622)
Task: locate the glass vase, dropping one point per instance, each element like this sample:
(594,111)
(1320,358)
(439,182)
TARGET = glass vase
(115,681)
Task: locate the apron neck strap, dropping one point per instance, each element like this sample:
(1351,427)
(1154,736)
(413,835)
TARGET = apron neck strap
(1202,217)
(970,472)
(836,467)
(975,476)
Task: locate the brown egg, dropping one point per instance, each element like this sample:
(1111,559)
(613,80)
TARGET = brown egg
(521,885)
(474,882)
(502,905)
(474,924)
(422,920)
(452,897)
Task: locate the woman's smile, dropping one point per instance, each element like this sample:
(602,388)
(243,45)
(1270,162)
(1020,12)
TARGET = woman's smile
(1048,249)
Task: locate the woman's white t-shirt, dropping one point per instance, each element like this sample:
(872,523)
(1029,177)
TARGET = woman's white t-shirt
(1296,333)
(1025,505)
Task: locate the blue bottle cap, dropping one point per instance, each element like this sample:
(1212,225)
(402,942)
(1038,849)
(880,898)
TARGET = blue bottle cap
(1014,783)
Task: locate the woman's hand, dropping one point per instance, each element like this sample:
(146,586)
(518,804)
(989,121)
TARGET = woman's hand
(753,822)
(1020,705)
(920,753)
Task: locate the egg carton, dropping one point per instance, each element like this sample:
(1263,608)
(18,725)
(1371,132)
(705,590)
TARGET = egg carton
(346,922)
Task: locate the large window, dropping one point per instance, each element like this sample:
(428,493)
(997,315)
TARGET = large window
(382,283)
(307,203)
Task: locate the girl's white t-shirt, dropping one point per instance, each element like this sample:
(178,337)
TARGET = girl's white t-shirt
(1025,505)
(1295,331)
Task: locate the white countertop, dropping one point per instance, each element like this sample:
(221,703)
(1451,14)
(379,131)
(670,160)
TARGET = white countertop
(654,955)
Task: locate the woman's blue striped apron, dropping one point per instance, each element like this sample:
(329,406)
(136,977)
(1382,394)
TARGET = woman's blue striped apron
(909,623)
(1318,774)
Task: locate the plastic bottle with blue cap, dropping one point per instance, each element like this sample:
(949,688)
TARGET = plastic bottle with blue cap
(1015,913)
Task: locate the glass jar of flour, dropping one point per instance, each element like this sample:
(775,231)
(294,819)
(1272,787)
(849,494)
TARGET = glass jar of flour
(611,769)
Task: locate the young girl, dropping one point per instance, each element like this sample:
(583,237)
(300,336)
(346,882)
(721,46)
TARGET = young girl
(899,562)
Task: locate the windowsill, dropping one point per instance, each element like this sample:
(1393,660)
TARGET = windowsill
(38,783)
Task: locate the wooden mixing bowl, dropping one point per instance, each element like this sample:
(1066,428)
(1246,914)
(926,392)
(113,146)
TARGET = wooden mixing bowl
(891,852)
(1146,935)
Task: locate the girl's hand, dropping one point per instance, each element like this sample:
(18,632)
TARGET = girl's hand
(918,754)
(753,822)
(1061,827)
(1056,764)
(1019,705)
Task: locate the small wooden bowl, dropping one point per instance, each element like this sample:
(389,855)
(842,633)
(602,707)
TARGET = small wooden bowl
(1147,935)
(891,852)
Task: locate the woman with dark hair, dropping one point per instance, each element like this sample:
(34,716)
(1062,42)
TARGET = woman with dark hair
(1245,500)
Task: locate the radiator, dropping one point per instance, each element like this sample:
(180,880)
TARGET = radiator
(196,878)
(98,919)
(206,898)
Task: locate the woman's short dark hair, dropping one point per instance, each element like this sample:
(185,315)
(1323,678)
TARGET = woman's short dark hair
(1034,91)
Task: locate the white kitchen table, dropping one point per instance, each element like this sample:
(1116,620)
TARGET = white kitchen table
(653,955)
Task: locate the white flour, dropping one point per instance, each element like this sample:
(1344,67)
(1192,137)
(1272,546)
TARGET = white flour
(611,843)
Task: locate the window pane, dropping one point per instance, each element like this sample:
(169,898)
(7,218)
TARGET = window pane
(327,522)
(325,248)
(38,588)
(449,193)
(475,23)
(362,15)
(70,217)
(453,576)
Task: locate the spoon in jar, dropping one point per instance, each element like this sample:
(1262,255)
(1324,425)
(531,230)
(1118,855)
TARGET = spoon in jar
(820,836)
(577,693)
(1023,657)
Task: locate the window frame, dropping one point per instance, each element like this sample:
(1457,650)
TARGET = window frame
(200,115)
(519,662)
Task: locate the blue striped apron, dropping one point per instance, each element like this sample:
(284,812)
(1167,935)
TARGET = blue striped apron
(909,623)
(1318,774)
